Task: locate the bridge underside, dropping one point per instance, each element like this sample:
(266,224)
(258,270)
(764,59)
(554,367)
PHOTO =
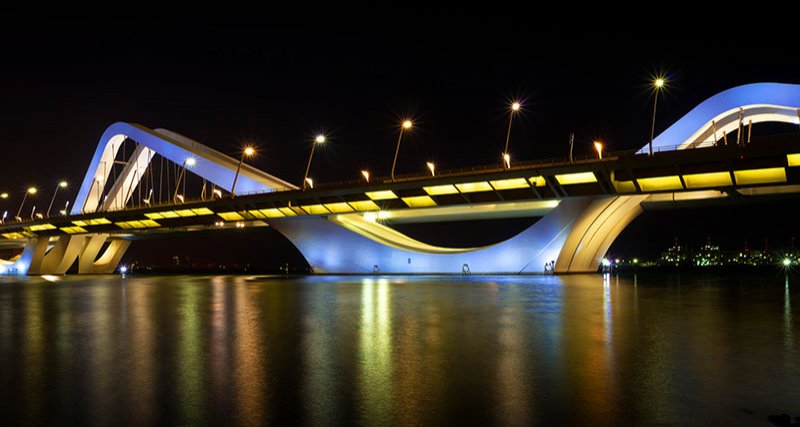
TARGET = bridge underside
(575,235)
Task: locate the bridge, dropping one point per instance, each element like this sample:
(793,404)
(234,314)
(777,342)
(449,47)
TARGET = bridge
(582,204)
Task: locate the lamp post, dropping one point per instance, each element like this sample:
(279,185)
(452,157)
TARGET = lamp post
(320,139)
(365,174)
(31,191)
(598,146)
(62,184)
(406,125)
(190,161)
(657,85)
(515,106)
(249,152)
(432,167)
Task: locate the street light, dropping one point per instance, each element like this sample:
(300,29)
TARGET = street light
(515,106)
(432,167)
(406,125)
(320,139)
(249,152)
(657,85)
(310,183)
(598,146)
(189,161)
(365,174)
(62,184)
(787,262)
(31,191)
(4,196)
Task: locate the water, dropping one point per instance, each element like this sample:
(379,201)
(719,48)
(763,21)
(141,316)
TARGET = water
(227,350)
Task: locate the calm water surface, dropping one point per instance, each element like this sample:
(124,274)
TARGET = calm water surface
(227,350)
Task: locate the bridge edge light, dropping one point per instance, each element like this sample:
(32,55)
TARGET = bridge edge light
(191,161)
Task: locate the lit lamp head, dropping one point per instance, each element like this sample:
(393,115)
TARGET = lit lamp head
(432,167)
(515,106)
(249,151)
(32,191)
(365,174)
(659,83)
(407,124)
(320,139)
(63,184)
(191,161)
(507,159)
(787,262)
(310,182)
(4,196)
(598,146)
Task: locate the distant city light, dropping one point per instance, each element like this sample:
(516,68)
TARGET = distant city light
(606,262)
(636,260)
(123,269)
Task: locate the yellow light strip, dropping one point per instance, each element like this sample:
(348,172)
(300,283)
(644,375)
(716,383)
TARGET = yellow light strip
(145,223)
(576,178)
(73,230)
(364,205)
(185,213)
(760,176)
(203,211)
(624,186)
(793,159)
(41,227)
(13,236)
(381,195)
(537,181)
(230,216)
(338,207)
(710,179)
(315,209)
(474,187)
(510,184)
(419,201)
(271,213)
(288,211)
(438,190)
(94,221)
(660,183)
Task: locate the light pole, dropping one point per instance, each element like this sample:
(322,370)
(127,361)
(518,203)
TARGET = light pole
(405,126)
(31,191)
(190,161)
(515,106)
(62,184)
(598,146)
(657,85)
(320,139)
(249,152)
(365,174)
(432,167)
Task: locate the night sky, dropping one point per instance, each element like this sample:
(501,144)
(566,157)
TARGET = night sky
(275,85)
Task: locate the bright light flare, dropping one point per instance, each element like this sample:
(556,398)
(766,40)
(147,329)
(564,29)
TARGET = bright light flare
(63,184)
(598,146)
(515,106)
(606,262)
(407,124)
(320,139)
(310,182)
(191,161)
(507,160)
(365,174)
(787,262)
(659,82)
(4,196)
(432,167)
(249,151)
(32,190)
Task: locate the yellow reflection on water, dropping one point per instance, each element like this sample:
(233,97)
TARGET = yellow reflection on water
(375,371)
(249,372)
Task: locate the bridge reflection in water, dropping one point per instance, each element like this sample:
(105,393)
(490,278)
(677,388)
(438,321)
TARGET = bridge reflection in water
(374,350)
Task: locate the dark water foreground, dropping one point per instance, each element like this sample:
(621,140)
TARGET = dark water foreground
(227,350)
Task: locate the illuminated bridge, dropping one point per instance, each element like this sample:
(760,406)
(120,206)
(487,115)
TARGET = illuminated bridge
(582,205)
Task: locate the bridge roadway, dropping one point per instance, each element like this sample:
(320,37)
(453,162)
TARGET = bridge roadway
(767,166)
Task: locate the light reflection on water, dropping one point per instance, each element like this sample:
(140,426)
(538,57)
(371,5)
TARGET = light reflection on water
(596,349)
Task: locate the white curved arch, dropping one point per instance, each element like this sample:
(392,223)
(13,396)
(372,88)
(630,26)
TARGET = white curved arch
(759,102)
(212,165)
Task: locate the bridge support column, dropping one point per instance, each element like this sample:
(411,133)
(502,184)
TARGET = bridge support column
(33,255)
(88,263)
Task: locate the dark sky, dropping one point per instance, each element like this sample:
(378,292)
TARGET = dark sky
(228,82)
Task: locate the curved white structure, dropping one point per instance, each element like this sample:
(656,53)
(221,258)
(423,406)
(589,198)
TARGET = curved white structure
(211,165)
